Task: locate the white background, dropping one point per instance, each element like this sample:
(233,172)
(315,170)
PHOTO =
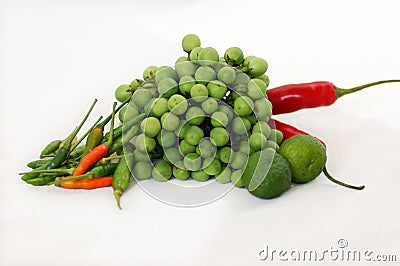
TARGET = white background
(57,56)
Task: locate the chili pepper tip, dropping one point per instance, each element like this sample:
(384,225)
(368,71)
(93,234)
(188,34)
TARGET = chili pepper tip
(117,195)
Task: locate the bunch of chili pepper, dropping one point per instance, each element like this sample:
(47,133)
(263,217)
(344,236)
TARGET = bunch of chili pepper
(71,166)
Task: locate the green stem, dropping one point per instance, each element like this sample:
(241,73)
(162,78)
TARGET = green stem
(68,140)
(109,117)
(341,92)
(109,142)
(341,183)
(85,135)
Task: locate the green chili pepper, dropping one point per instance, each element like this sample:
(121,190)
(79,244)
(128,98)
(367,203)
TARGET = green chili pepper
(50,148)
(37,163)
(41,180)
(122,174)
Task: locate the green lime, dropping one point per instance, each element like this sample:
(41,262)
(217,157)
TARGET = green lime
(306,156)
(263,182)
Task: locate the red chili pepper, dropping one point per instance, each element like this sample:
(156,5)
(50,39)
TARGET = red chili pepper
(288,130)
(293,97)
(88,183)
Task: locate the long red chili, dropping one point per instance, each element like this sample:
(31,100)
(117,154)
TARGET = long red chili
(293,97)
(88,183)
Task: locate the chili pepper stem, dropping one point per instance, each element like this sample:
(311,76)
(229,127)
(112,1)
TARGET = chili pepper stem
(110,140)
(341,92)
(75,132)
(341,183)
(66,171)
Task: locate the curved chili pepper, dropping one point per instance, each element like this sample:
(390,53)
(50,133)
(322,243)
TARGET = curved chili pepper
(37,163)
(50,148)
(293,97)
(291,131)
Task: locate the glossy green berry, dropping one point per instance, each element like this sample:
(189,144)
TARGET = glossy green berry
(123,93)
(257,66)
(200,176)
(189,42)
(257,141)
(149,72)
(243,105)
(177,104)
(142,170)
(185,85)
(180,173)
(192,162)
(199,93)
(217,89)
(234,56)
(150,126)
(162,171)
(227,75)
(220,136)
(210,105)
(193,135)
(208,56)
(205,74)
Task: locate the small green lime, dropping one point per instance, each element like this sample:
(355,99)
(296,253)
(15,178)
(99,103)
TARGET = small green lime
(306,156)
(264,183)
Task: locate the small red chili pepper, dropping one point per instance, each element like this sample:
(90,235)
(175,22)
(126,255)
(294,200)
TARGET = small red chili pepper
(88,183)
(293,97)
(288,130)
